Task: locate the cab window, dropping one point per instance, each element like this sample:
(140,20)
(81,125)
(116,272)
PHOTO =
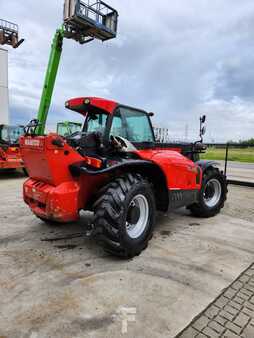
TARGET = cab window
(96,122)
(118,126)
(133,125)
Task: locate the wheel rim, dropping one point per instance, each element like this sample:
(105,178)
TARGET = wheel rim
(212,193)
(137,216)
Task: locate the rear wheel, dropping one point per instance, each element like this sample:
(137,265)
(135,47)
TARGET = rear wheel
(213,194)
(124,215)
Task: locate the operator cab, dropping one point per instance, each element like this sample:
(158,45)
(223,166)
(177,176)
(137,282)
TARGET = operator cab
(108,123)
(9,135)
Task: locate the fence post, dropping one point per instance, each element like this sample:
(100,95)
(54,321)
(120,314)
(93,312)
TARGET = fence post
(226,159)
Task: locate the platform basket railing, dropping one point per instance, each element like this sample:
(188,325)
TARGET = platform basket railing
(8,26)
(100,13)
(9,34)
(91,18)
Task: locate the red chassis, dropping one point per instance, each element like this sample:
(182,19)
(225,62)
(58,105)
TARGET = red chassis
(52,192)
(115,168)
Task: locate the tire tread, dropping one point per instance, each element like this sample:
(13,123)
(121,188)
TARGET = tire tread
(198,209)
(108,211)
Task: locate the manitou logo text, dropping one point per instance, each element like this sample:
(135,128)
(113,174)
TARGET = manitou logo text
(33,143)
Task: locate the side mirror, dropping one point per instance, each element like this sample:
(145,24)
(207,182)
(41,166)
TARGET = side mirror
(203,119)
(150,114)
(202,129)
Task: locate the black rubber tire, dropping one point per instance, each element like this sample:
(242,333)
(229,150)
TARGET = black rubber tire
(200,209)
(110,214)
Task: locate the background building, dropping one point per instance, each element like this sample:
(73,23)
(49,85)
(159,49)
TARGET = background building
(4,93)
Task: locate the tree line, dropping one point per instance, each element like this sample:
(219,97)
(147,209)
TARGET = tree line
(245,143)
(249,142)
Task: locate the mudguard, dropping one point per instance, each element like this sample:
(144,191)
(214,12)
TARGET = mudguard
(81,167)
(143,167)
(206,164)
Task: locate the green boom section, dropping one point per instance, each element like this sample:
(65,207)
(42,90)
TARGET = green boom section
(50,79)
(88,22)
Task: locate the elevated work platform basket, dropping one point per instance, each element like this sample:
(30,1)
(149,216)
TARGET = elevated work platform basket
(9,34)
(85,20)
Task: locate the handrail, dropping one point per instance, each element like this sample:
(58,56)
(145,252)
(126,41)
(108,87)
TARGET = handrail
(95,19)
(91,9)
(4,24)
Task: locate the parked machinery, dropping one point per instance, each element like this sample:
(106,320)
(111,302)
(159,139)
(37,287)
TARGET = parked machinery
(9,34)
(113,167)
(10,157)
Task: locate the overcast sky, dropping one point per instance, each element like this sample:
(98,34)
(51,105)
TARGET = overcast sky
(179,59)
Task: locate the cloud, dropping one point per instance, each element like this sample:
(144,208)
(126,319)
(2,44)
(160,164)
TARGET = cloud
(226,115)
(178,59)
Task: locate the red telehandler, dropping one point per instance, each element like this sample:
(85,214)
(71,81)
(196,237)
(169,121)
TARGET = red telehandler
(10,156)
(115,168)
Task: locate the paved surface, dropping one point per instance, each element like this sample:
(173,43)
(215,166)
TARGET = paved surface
(231,315)
(56,283)
(239,171)
(241,165)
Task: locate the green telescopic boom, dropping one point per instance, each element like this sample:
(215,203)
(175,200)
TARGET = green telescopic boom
(50,79)
(83,22)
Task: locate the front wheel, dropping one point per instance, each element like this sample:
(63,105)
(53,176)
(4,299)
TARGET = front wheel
(212,196)
(124,215)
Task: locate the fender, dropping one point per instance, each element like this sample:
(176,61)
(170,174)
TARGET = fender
(144,167)
(79,168)
(206,164)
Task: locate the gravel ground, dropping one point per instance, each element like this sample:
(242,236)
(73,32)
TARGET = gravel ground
(56,283)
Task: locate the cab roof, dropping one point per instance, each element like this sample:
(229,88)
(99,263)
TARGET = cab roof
(84,104)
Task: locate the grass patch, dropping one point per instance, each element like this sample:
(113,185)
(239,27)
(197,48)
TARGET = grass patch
(234,154)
